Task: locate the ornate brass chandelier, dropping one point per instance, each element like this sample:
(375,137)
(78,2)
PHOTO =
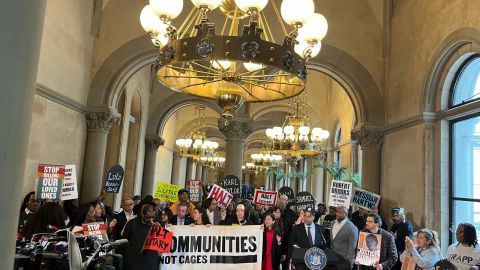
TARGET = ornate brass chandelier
(296,137)
(265,160)
(213,162)
(234,66)
(196,144)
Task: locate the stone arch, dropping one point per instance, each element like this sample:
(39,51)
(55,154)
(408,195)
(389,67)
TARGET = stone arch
(280,107)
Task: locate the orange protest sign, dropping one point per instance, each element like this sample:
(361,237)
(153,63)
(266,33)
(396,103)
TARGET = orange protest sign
(97,229)
(159,239)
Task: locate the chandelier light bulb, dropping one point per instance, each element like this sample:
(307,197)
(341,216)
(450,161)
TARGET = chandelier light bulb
(288,130)
(210,4)
(277,131)
(167,10)
(150,22)
(316,131)
(324,134)
(160,40)
(270,133)
(221,64)
(306,50)
(304,130)
(248,5)
(297,12)
(314,29)
(252,67)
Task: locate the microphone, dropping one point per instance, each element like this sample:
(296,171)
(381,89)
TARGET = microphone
(114,245)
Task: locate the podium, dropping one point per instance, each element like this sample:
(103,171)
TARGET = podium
(334,261)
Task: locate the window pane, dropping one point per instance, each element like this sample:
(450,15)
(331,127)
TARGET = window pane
(466,212)
(467,87)
(465,155)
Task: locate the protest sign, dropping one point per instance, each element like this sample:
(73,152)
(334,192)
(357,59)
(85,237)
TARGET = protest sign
(194,188)
(304,200)
(287,191)
(70,189)
(408,263)
(113,179)
(222,196)
(340,193)
(167,192)
(368,248)
(262,197)
(226,247)
(365,199)
(97,229)
(49,182)
(158,239)
(231,184)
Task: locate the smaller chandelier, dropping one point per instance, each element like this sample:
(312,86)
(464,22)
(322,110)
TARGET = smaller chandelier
(213,162)
(265,160)
(249,166)
(296,137)
(196,144)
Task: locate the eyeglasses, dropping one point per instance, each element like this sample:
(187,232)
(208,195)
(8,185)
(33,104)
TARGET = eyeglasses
(125,205)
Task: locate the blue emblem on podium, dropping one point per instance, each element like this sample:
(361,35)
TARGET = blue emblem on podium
(315,258)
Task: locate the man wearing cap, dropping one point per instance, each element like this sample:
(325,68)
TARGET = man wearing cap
(183,196)
(401,228)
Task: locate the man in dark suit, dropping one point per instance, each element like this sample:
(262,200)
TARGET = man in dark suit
(306,234)
(120,219)
(212,211)
(401,228)
(181,218)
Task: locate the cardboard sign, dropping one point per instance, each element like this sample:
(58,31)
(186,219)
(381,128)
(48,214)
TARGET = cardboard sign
(408,263)
(70,189)
(231,184)
(287,191)
(368,248)
(194,187)
(340,193)
(167,192)
(365,199)
(113,179)
(49,182)
(215,247)
(223,197)
(159,239)
(262,197)
(97,229)
(304,200)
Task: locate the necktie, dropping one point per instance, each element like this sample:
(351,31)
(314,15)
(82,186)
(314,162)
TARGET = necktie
(181,221)
(309,235)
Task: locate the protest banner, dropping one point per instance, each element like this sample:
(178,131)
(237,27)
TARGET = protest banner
(166,192)
(340,193)
(70,189)
(304,200)
(408,263)
(113,179)
(194,188)
(222,196)
(158,239)
(287,191)
(262,197)
(225,247)
(97,229)
(49,182)
(231,184)
(368,248)
(365,199)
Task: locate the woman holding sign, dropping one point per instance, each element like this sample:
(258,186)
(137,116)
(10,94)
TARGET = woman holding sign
(425,254)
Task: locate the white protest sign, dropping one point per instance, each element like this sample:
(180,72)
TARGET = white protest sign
(365,199)
(262,197)
(224,247)
(69,189)
(220,195)
(340,194)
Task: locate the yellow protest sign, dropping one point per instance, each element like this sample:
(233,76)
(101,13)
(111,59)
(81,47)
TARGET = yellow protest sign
(167,192)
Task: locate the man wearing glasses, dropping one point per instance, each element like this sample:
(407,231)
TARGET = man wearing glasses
(120,219)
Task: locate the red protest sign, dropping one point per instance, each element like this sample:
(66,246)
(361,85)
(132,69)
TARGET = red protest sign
(97,229)
(159,239)
(263,197)
(220,195)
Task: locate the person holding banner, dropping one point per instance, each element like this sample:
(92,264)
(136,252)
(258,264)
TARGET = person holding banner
(212,211)
(425,254)
(239,219)
(273,248)
(200,217)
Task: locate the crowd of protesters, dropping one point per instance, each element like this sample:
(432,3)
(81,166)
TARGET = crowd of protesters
(284,229)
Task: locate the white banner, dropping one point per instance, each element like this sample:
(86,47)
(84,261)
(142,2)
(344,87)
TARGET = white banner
(69,189)
(340,194)
(214,247)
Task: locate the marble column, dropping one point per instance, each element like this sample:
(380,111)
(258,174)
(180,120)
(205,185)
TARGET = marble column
(152,143)
(354,156)
(20,38)
(370,140)
(198,171)
(204,174)
(235,132)
(429,171)
(191,169)
(179,169)
(98,126)
(328,178)
(318,185)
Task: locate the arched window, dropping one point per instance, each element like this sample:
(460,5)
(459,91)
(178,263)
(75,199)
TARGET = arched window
(337,158)
(465,148)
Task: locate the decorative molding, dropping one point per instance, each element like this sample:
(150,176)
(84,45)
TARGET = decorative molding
(52,95)
(460,111)
(101,121)
(236,129)
(404,124)
(154,142)
(368,136)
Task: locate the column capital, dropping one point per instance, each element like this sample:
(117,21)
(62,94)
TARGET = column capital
(102,120)
(368,136)
(236,129)
(153,142)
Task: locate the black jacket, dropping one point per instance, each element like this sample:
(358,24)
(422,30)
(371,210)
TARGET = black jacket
(277,250)
(188,220)
(400,231)
(299,237)
(121,221)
